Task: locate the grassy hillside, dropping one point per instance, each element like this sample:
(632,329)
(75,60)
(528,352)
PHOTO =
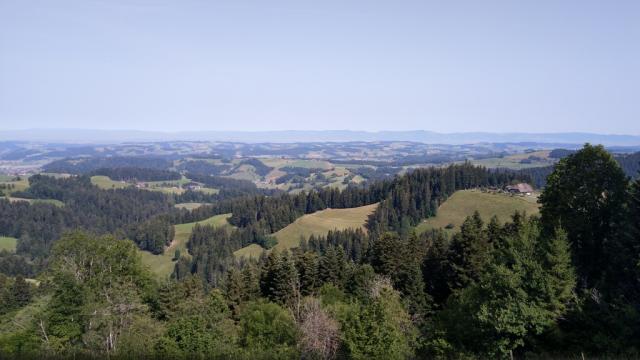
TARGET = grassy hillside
(189,205)
(518,161)
(251,251)
(104,182)
(464,203)
(55,202)
(8,243)
(318,223)
(19,185)
(162,265)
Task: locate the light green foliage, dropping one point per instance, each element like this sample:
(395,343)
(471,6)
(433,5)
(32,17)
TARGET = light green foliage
(267,326)
(523,291)
(378,329)
(98,286)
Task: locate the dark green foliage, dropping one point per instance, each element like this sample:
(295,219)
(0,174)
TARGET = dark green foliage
(585,196)
(522,291)
(279,278)
(154,235)
(491,290)
(212,252)
(85,165)
(307,265)
(468,254)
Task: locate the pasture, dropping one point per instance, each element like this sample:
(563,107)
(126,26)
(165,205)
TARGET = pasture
(104,182)
(8,243)
(464,203)
(318,223)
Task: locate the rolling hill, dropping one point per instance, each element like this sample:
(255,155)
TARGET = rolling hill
(464,203)
(318,223)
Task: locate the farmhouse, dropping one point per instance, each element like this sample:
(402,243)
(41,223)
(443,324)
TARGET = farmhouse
(522,188)
(192,186)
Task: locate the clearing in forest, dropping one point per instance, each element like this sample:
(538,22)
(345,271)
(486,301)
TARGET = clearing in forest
(162,265)
(465,202)
(8,243)
(318,223)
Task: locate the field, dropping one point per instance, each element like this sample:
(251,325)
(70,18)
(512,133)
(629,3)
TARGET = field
(55,202)
(8,243)
(318,223)
(162,265)
(252,251)
(19,185)
(463,203)
(189,206)
(104,182)
(518,161)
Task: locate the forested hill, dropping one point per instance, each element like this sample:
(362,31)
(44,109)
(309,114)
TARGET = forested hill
(147,217)
(403,202)
(562,285)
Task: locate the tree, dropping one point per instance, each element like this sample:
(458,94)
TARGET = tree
(319,332)
(585,196)
(378,329)
(523,291)
(468,253)
(20,292)
(99,283)
(307,266)
(268,327)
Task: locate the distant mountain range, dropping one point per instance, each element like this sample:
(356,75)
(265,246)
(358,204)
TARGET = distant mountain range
(289,136)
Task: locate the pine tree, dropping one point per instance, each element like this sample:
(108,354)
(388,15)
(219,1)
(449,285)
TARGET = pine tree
(332,266)
(251,282)
(307,266)
(468,253)
(234,288)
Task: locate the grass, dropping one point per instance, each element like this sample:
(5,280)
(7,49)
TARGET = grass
(318,223)
(464,203)
(104,182)
(20,185)
(252,251)
(189,205)
(8,243)
(162,265)
(513,161)
(55,202)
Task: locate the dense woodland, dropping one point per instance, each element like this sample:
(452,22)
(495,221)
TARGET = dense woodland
(86,165)
(564,284)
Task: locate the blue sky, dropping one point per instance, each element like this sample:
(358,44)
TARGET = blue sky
(449,66)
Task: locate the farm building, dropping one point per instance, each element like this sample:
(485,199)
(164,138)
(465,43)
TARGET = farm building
(521,188)
(192,186)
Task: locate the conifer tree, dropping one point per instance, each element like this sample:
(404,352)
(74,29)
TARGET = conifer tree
(468,253)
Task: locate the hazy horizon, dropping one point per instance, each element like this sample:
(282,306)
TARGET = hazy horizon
(496,66)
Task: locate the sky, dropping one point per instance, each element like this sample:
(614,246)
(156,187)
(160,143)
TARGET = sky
(446,66)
